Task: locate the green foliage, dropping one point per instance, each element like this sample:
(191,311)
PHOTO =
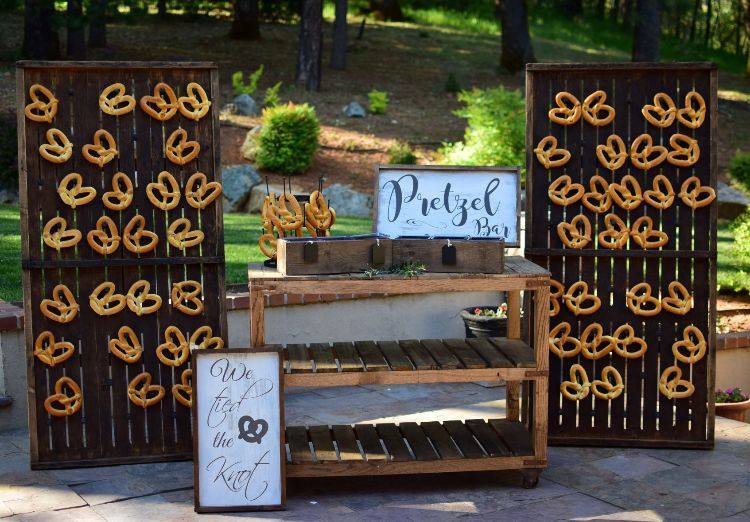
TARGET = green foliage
(400,153)
(288,139)
(495,133)
(378,101)
(451,84)
(733,263)
(271,98)
(239,85)
(8,151)
(739,168)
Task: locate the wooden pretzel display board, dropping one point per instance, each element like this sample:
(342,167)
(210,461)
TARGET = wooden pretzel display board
(642,413)
(108,427)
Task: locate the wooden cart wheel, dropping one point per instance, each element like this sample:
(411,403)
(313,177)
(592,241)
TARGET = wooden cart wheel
(530,478)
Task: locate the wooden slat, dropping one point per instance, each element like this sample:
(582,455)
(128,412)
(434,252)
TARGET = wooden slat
(487,437)
(518,352)
(296,437)
(370,441)
(322,354)
(348,358)
(346,441)
(299,359)
(322,443)
(419,355)
(417,440)
(371,356)
(489,353)
(394,442)
(463,438)
(441,354)
(395,356)
(469,358)
(441,440)
(515,435)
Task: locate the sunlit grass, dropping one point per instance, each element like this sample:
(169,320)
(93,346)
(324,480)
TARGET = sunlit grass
(733,269)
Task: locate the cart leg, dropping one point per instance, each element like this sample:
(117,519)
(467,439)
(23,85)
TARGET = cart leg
(257,317)
(530,477)
(512,388)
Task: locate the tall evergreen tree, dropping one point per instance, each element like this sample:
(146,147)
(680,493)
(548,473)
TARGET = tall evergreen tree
(40,38)
(246,23)
(310,48)
(647,31)
(76,48)
(98,23)
(338,49)
(516,49)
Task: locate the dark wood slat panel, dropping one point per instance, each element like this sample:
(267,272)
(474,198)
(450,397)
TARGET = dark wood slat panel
(296,437)
(465,353)
(419,355)
(464,439)
(487,438)
(441,439)
(515,435)
(370,441)
(322,354)
(441,354)
(394,442)
(299,359)
(516,351)
(348,358)
(396,357)
(371,356)
(417,440)
(322,443)
(346,441)
(489,353)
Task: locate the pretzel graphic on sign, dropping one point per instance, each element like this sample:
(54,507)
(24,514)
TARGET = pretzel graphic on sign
(179,150)
(121,195)
(645,155)
(591,340)
(639,300)
(195,105)
(136,238)
(598,199)
(679,300)
(693,114)
(175,349)
(140,300)
(593,105)
(662,113)
(199,192)
(549,155)
(203,339)
(57,235)
(662,195)
(610,386)
(186,297)
(164,102)
(577,233)
(578,387)
(672,386)
(559,337)
(613,154)
(66,400)
(104,239)
(183,392)
(568,110)
(52,352)
(43,106)
(180,235)
(693,343)
(564,192)
(142,393)
(578,295)
(105,301)
(102,151)
(73,193)
(58,148)
(126,345)
(694,195)
(164,193)
(114,101)
(62,308)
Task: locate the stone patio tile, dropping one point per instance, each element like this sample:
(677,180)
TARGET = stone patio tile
(682,509)
(739,517)
(634,466)
(16,471)
(573,506)
(727,498)
(152,507)
(630,494)
(4,510)
(33,498)
(724,466)
(582,477)
(682,479)
(81,514)
(336,392)
(124,487)
(83,475)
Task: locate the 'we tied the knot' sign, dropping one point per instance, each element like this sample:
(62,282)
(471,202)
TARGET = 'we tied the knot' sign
(238,429)
(449,202)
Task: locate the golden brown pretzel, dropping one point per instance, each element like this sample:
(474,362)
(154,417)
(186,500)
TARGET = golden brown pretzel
(564,192)
(556,292)
(577,233)
(186,297)
(180,235)
(639,300)
(73,193)
(578,387)
(685,151)
(175,349)
(121,195)
(662,195)
(265,212)
(568,110)
(549,155)
(593,105)
(693,343)
(104,239)
(615,235)
(672,385)
(592,338)
(126,345)
(100,153)
(57,235)
(694,195)
(679,300)
(690,115)
(165,101)
(134,234)
(598,199)
(559,337)
(195,105)
(267,245)
(183,392)
(164,193)
(613,154)
(627,193)
(644,234)
(577,296)
(46,349)
(662,113)
(142,393)
(62,308)
(284,218)
(105,301)
(624,336)
(610,386)
(199,192)
(645,155)
(58,148)
(203,339)
(42,109)
(114,101)
(179,150)
(66,400)
(317,212)
(140,300)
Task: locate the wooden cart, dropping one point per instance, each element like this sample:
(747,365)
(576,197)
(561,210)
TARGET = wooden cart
(518,442)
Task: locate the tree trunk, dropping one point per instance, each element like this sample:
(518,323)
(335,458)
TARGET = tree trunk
(647,32)
(40,39)
(747,30)
(709,15)
(614,13)
(246,23)
(516,49)
(572,7)
(338,51)
(694,19)
(601,8)
(627,13)
(76,48)
(387,10)
(98,23)
(310,49)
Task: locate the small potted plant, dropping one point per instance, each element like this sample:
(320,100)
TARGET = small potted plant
(486,321)
(732,404)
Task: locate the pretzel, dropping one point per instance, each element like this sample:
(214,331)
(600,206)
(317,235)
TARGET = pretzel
(549,155)
(62,308)
(571,234)
(672,386)
(679,300)
(555,296)
(692,341)
(267,245)
(180,235)
(99,154)
(58,148)
(317,212)
(41,109)
(605,388)
(140,388)
(183,392)
(179,150)
(560,336)
(597,200)
(662,195)
(615,235)
(134,232)
(285,219)
(117,198)
(627,193)
(568,110)
(624,336)
(114,101)
(126,345)
(176,347)
(560,191)
(642,152)
(195,105)
(104,241)
(646,236)
(639,300)
(104,301)
(204,193)
(593,104)
(203,339)
(694,195)
(57,235)
(165,101)
(685,151)
(689,115)
(577,388)
(265,212)
(67,395)
(577,295)
(46,349)
(590,345)
(613,154)
(165,192)
(186,297)
(77,194)
(138,296)
(662,113)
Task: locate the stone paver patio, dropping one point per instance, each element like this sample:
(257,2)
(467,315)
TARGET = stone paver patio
(580,484)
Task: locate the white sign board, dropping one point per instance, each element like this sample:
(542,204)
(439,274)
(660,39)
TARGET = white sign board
(448,202)
(238,426)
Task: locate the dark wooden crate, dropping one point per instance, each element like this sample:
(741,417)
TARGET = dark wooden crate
(109,429)
(641,416)
(483,256)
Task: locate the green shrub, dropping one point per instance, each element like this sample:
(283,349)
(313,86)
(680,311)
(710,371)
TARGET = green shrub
(739,169)
(400,153)
(288,139)
(378,101)
(271,98)
(239,85)
(451,84)
(733,261)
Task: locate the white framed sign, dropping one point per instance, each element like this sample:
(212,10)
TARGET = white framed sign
(238,431)
(438,201)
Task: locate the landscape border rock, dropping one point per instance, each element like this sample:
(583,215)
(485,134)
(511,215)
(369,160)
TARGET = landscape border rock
(237,184)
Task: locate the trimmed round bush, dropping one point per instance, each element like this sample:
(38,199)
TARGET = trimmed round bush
(739,169)
(288,139)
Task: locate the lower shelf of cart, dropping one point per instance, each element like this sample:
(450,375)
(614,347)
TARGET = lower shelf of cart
(409,447)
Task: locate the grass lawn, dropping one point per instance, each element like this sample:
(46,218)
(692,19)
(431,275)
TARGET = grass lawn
(733,269)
